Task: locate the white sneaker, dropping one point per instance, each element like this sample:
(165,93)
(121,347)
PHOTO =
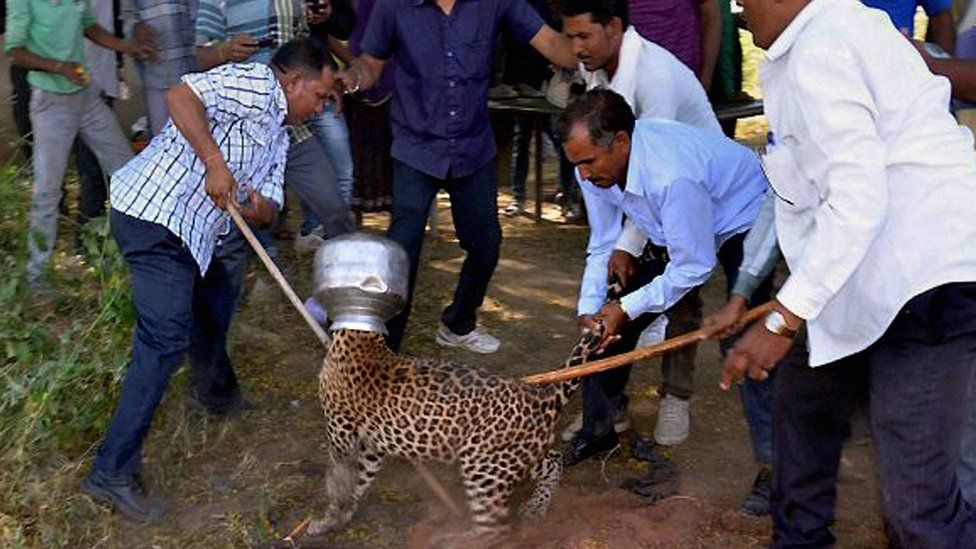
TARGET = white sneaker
(621,424)
(309,243)
(515,208)
(478,340)
(673,423)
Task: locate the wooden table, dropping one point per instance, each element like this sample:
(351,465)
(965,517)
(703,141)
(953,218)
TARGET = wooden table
(540,110)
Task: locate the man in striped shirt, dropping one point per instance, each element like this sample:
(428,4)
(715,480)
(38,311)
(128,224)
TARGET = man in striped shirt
(226,141)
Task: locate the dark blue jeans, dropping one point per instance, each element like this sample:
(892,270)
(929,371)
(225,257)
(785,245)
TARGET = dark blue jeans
(919,389)
(603,394)
(474,207)
(178,311)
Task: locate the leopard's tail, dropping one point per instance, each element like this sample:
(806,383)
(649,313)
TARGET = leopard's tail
(588,343)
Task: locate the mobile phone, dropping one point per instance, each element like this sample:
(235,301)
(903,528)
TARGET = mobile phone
(266,42)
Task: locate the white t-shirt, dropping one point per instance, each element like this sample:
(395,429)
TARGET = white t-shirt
(655,84)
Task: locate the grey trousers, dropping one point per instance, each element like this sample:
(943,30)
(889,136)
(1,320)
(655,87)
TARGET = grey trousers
(57,118)
(156,111)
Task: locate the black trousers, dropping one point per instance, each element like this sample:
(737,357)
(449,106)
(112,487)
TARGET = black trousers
(919,387)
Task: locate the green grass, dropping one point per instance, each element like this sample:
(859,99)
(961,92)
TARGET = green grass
(61,361)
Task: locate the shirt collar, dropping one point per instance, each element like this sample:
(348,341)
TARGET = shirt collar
(792,31)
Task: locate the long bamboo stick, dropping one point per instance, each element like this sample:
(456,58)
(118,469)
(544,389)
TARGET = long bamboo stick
(235,214)
(662,348)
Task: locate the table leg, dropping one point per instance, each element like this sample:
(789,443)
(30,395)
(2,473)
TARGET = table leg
(537,129)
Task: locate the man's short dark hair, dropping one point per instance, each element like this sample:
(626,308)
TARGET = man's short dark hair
(601,11)
(303,54)
(604,112)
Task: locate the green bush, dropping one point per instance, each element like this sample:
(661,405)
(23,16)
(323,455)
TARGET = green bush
(61,362)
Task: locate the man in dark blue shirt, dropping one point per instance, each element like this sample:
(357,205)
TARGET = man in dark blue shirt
(442,53)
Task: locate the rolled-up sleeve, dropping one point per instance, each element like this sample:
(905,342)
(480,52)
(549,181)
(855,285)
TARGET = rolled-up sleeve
(18,20)
(688,223)
(632,240)
(848,157)
(230,92)
(378,40)
(274,187)
(605,224)
(522,20)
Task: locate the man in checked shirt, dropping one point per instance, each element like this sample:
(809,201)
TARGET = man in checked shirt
(226,142)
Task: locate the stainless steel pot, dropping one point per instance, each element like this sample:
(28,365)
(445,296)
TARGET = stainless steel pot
(361,280)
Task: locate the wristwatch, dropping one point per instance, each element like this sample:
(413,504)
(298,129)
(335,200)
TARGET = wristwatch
(775,323)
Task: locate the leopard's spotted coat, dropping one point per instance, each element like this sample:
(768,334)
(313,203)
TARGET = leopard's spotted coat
(498,429)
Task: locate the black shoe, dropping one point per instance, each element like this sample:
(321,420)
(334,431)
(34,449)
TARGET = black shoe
(757,502)
(124,493)
(582,448)
(223,408)
(642,448)
(660,481)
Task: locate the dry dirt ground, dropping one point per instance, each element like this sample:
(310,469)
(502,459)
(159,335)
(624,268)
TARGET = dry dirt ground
(250,480)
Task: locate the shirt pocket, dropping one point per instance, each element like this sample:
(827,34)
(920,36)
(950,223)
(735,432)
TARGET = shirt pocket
(477,58)
(794,191)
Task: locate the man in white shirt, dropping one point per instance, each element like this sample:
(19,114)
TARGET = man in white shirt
(695,193)
(876,196)
(656,85)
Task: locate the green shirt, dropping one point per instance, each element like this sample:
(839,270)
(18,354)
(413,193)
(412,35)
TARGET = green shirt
(54,29)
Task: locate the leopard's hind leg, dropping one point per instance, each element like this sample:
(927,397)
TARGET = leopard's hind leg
(349,476)
(546,473)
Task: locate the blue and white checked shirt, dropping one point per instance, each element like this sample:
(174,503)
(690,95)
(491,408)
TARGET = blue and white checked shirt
(688,190)
(165,183)
(173,23)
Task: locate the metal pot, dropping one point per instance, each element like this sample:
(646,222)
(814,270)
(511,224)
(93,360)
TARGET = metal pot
(361,280)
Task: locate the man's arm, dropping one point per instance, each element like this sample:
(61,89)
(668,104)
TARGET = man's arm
(555,47)
(960,72)
(849,164)
(363,72)
(605,221)
(190,117)
(710,18)
(18,21)
(107,40)
(760,254)
(687,221)
(942,31)
(377,46)
(238,49)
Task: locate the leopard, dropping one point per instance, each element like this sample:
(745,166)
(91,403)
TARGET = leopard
(499,430)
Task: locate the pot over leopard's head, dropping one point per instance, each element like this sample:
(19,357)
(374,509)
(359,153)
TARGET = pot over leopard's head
(361,279)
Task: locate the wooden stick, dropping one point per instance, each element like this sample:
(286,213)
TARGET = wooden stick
(438,489)
(276,273)
(662,348)
(425,473)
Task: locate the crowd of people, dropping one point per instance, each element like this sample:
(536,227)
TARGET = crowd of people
(866,187)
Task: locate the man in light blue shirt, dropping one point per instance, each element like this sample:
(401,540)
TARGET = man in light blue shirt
(693,193)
